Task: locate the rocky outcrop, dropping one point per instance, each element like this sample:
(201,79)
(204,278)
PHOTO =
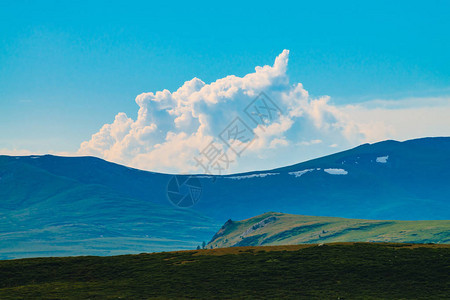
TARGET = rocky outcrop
(222,230)
(258,225)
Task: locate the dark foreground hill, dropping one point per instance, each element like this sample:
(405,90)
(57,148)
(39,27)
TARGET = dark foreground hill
(330,271)
(284,229)
(62,206)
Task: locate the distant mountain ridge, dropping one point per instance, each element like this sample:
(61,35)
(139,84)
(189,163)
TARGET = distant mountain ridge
(52,205)
(272,229)
(386,180)
(57,206)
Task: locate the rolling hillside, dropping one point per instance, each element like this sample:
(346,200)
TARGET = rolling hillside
(386,181)
(283,229)
(45,213)
(56,206)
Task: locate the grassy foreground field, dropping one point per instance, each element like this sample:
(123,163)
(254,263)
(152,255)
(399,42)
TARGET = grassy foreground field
(330,271)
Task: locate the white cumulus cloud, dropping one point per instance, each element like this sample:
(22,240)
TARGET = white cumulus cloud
(172,128)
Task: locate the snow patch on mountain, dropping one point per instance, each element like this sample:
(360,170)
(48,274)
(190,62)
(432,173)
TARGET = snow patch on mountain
(300,173)
(382,159)
(333,171)
(251,176)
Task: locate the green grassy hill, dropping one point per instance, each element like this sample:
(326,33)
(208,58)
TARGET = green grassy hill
(45,213)
(286,229)
(331,271)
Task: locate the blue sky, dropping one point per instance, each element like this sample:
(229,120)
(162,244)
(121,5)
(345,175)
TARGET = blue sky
(68,68)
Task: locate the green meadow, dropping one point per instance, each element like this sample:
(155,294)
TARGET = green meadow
(287,229)
(330,271)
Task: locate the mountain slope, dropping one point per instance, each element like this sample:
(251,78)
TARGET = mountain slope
(44,214)
(271,229)
(387,180)
(53,205)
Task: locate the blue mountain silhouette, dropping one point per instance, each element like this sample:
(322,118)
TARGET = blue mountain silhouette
(53,206)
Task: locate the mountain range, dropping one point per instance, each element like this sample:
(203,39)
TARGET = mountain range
(55,206)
